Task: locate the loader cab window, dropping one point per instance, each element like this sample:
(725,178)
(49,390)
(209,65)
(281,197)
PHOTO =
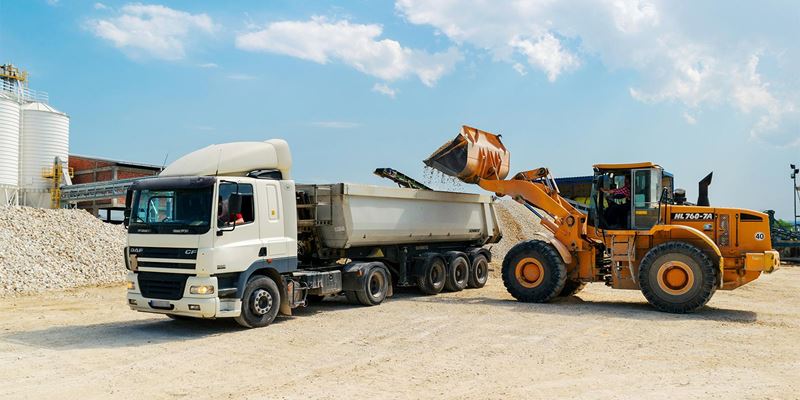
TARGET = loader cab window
(612,198)
(646,191)
(226,216)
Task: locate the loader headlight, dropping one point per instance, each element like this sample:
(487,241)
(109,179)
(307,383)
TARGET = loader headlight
(131,285)
(202,289)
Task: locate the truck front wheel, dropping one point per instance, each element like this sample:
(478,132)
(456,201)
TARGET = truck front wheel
(260,303)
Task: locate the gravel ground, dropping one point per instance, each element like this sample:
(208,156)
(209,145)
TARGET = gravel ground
(475,344)
(56,249)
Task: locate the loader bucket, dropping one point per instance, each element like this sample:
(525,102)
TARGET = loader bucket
(471,156)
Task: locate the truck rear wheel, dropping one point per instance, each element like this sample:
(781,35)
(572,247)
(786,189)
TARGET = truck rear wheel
(478,272)
(533,272)
(677,277)
(260,302)
(457,273)
(433,276)
(376,286)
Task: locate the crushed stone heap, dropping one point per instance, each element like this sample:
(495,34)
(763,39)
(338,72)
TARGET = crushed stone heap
(57,249)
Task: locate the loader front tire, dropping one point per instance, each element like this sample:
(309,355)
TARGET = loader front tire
(571,288)
(533,272)
(677,277)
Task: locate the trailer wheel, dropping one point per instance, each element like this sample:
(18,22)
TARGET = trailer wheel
(433,276)
(457,273)
(478,272)
(533,272)
(260,303)
(376,286)
(677,277)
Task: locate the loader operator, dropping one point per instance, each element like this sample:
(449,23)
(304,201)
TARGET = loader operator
(616,213)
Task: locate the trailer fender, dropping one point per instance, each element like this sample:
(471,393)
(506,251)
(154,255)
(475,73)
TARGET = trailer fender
(696,233)
(479,250)
(354,273)
(423,260)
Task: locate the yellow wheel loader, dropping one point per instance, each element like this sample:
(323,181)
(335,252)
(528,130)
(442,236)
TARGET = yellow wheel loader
(635,233)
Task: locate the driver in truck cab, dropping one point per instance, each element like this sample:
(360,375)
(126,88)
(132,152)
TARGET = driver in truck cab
(225,217)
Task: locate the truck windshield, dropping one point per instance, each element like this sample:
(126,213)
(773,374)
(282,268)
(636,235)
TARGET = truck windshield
(178,211)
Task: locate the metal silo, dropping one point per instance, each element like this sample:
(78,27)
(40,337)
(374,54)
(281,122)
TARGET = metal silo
(9,148)
(45,136)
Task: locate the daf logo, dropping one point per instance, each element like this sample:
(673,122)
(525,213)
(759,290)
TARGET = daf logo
(136,249)
(190,252)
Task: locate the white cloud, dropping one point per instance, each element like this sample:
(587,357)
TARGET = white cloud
(679,52)
(335,124)
(384,89)
(357,45)
(520,69)
(152,30)
(208,65)
(690,119)
(100,6)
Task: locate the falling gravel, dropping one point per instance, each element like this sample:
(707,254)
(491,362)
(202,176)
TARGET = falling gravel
(57,249)
(518,224)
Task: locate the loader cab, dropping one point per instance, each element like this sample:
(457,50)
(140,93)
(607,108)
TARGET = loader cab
(637,208)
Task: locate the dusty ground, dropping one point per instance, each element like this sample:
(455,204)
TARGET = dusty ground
(474,344)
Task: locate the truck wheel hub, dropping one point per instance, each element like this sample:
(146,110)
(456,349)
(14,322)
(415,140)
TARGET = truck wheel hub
(675,277)
(529,272)
(376,285)
(262,301)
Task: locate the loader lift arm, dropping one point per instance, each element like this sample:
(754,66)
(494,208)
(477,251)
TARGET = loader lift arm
(537,189)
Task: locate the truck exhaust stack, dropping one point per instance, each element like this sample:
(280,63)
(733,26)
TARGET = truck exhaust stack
(473,155)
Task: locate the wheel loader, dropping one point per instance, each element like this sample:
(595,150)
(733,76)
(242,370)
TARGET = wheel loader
(637,233)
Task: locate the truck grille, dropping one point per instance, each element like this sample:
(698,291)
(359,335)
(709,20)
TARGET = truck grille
(161,286)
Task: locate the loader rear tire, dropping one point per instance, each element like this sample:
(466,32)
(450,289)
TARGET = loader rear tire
(533,272)
(457,273)
(478,272)
(571,288)
(677,277)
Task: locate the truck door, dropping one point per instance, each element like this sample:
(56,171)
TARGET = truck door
(237,238)
(273,235)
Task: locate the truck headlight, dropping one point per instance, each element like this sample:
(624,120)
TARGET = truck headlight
(202,289)
(131,285)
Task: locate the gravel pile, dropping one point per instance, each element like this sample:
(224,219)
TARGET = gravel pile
(518,224)
(57,249)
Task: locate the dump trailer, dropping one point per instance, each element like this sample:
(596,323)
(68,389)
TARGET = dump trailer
(635,233)
(225,232)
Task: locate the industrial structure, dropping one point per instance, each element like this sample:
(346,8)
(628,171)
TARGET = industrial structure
(34,141)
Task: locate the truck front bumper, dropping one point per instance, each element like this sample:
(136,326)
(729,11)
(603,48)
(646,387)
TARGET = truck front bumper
(767,261)
(188,305)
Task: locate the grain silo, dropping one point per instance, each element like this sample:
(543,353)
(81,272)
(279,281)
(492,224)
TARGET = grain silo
(45,138)
(9,148)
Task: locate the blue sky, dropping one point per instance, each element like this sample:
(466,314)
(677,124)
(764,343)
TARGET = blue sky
(693,86)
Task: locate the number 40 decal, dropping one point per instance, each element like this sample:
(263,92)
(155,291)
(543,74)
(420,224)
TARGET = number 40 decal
(759,235)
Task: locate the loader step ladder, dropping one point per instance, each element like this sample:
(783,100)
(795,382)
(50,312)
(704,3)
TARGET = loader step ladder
(623,253)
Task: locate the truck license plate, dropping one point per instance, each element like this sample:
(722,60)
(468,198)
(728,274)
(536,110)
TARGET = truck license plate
(160,304)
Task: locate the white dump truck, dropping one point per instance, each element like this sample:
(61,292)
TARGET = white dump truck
(225,232)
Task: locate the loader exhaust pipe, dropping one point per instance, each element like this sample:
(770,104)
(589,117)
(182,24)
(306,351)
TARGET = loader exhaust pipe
(473,155)
(702,197)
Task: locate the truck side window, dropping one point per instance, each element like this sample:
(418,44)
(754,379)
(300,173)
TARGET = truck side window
(248,210)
